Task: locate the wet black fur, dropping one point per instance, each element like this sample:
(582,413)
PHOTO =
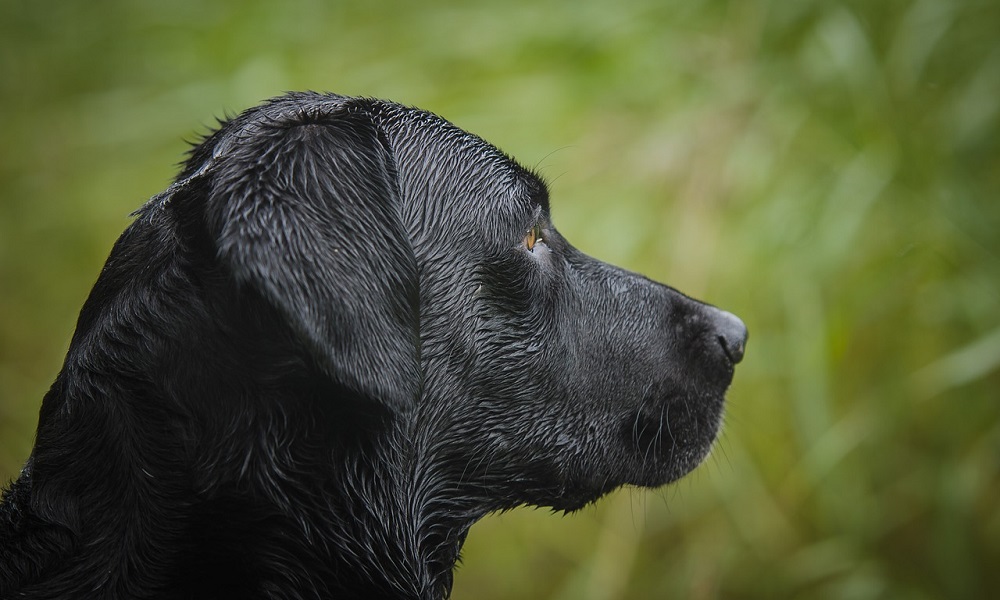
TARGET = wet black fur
(313,362)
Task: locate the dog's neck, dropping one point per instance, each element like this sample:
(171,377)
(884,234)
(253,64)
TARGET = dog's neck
(385,522)
(397,516)
(425,516)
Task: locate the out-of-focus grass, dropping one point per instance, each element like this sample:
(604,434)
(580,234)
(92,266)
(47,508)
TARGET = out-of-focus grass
(827,170)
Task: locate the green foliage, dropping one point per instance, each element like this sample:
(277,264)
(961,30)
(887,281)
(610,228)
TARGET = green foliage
(827,170)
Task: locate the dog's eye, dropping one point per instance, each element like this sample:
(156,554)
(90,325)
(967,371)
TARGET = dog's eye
(534,236)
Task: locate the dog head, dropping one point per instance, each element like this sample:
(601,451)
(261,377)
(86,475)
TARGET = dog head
(420,267)
(346,332)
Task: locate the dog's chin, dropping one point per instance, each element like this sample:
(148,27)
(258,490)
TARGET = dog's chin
(644,472)
(667,443)
(660,474)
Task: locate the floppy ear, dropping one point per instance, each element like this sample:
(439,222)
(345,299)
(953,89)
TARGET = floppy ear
(305,208)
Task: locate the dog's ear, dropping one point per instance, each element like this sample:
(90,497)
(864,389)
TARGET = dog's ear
(305,208)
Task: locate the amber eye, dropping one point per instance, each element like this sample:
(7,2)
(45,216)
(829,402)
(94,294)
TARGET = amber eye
(534,235)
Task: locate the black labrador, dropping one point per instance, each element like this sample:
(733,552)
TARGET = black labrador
(345,333)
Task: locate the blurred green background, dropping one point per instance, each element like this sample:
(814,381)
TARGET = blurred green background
(829,171)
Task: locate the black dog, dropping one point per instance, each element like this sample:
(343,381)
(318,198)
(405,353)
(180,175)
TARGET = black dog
(348,331)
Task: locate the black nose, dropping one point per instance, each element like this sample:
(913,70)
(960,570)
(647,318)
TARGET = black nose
(732,334)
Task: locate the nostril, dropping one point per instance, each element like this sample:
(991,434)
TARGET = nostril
(732,335)
(733,349)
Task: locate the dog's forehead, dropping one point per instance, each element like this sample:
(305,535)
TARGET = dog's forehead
(434,155)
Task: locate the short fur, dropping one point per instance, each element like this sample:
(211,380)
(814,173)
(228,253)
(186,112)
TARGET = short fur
(325,351)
